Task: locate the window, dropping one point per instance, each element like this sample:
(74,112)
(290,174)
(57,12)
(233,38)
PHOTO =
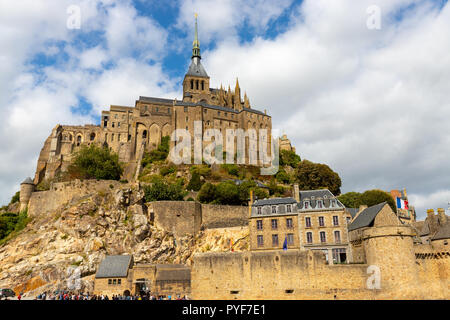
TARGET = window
(205,110)
(119,281)
(274,240)
(114,281)
(185,109)
(274,209)
(333,203)
(288,208)
(92,137)
(337,237)
(289,223)
(319,204)
(118,124)
(259,210)
(321,222)
(306,204)
(157,109)
(290,239)
(192,84)
(309,237)
(335,220)
(260,240)
(259,224)
(274,223)
(323,237)
(308,222)
(348,220)
(118,137)
(187,118)
(112,136)
(112,124)
(109,281)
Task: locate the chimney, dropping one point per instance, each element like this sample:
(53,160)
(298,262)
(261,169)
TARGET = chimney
(362,207)
(430,213)
(296,192)
(442,216)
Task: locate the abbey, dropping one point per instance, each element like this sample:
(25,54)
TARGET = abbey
(130,131)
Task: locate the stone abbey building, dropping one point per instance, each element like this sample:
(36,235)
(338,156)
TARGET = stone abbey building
(129,131)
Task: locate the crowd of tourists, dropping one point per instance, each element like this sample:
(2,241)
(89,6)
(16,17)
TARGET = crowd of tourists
(87,296)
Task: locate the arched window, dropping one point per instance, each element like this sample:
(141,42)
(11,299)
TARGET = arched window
(92,137)
(192,84)
(144,134)
(78,140)
(196,84)
(203,85)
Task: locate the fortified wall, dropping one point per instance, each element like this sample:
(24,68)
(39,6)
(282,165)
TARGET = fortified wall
(393,268)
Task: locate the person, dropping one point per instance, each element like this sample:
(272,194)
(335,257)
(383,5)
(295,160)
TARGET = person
(19,296)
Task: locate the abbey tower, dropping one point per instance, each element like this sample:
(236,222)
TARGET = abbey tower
(129,131)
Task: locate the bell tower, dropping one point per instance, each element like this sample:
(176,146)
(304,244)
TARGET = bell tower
(196,80)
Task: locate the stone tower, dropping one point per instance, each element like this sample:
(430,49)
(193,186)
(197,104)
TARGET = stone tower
(196,80)
(390,248)
(26,189)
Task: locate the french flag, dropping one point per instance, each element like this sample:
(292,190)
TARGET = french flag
(402,204)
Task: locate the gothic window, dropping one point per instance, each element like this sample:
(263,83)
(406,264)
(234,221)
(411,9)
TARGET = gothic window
(192,84)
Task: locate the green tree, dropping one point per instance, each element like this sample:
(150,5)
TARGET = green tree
(368,198)
(228,193)
(351,199)
(311,176)
(373,197)
(289,158)
(161,190)
(282,176)
(195,183)
(95,163)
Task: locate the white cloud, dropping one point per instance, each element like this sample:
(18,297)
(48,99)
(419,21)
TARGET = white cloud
(370,103)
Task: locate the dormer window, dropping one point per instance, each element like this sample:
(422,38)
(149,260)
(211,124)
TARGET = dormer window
(333,203)
(306,204)
(320,204)
(259,210)
(288,208)
(274,209)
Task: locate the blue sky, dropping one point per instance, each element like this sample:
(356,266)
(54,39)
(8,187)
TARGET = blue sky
(370,103)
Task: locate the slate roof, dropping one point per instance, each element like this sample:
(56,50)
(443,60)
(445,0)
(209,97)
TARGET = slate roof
(323,194)
(273,201)
(353,211)
(156,100)
(115,266)
(366,217)
(28,181)
(196,69)
(443,232)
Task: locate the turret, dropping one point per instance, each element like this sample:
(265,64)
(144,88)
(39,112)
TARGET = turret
(26,189)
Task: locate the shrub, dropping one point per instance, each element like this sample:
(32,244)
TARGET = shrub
(282,176)
(15,198)
(95,163)
(231,169)
(161,190)
(190,199)
(207,193)
(164,171)
(195,183)
(159,154)
(202,170)
(12,223)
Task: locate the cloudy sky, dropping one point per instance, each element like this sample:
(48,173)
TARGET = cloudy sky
(368,97)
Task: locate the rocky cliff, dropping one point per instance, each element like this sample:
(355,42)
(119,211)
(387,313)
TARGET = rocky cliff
(80,233)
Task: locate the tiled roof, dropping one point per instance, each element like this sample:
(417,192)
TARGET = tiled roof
(313,195)
(164,273)
(115,266)
(366,217)
(28,181)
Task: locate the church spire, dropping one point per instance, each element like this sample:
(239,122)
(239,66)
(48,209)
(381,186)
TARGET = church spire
(196,43)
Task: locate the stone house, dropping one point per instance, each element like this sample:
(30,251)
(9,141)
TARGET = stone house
(119,275)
